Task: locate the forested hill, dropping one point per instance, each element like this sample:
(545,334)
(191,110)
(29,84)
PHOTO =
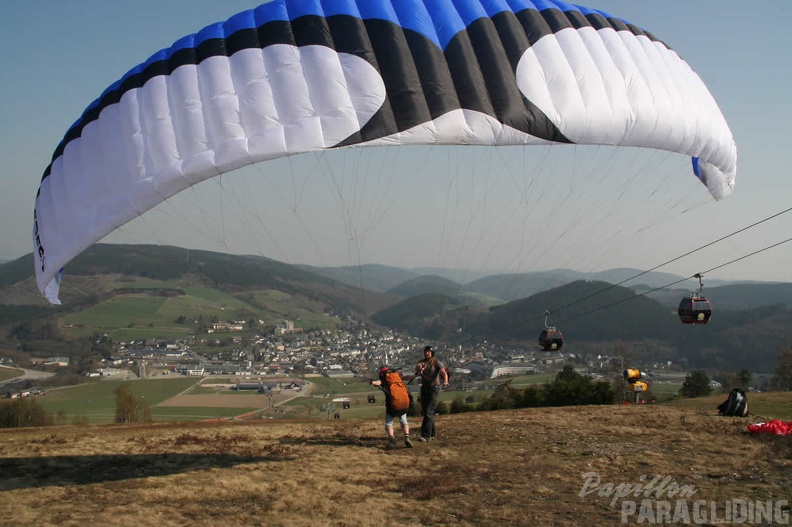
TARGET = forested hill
(590,311)
(596,316)
(225,272)
(594,311)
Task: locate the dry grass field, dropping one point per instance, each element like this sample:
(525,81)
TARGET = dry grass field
(529,467)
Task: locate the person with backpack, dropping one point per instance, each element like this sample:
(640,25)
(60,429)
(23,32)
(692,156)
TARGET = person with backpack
(397,402)
(433,376)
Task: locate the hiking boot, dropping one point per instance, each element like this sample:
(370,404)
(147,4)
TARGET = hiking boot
(423,439)
(407,442)
(391,444)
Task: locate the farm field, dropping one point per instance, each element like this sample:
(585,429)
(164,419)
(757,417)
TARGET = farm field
(95,401)
(170,399)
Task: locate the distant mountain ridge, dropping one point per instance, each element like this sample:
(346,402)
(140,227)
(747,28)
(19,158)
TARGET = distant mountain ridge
(165,262)
(506,287)
(242,271)
(427,283)
(373,277)
(750,322)
(219,270)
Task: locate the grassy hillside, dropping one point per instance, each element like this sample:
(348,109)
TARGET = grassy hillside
(95,273)
(142,312)
(515,467)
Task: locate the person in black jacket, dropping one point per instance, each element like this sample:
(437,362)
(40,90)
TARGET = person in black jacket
(433,376)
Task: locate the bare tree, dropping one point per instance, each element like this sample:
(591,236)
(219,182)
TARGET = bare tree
(783,373)
(129,408)
(741,379)
(329,408)
(623,351)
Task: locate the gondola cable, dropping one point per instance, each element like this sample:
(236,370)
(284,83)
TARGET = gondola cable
(666,286)
(679,258)
(600,308)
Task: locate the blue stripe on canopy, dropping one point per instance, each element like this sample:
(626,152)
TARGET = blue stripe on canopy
(437,20)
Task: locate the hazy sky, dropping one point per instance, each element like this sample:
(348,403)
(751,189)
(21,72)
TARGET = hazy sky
(514,209)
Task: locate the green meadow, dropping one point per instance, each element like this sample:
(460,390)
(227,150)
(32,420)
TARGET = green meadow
(666,391)
(9,373)
(95,401)
(325,385)
(132,317)
(359,408)
(766,405)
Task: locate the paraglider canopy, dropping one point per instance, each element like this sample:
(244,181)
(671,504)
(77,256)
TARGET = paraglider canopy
(297,76)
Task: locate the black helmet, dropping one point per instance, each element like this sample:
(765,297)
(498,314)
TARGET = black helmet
(429,348)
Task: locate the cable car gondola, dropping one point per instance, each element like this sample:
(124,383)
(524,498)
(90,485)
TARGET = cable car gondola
(550,339)
(695,308)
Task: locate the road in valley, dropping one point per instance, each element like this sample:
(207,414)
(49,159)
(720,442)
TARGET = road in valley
(28,374)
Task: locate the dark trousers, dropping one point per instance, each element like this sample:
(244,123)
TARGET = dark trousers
(429,399)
